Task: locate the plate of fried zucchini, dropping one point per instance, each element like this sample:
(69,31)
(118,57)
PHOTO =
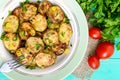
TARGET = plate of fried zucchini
(48,37)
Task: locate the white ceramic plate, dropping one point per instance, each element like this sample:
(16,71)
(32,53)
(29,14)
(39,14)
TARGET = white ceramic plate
(64,64)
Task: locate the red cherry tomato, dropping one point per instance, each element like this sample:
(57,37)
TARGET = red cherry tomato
(94,62)
(105,50)
(95,33)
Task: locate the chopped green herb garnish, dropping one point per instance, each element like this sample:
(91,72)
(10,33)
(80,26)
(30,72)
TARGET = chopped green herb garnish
(48,20)
(49,34)
(27,2)
(71,45)
(47,39)
(50,41)
(30,67)
(37,46)
(5,23)
(28,30)
(47,47)
(54,46)
(56,14)
(3,35)
(22,32)
(63,34)
(38,1)
(67,21)
(20,58)
(6,38)
(24,9)
(2,17)
(9,12)
(49,25)
(118,46)
(21,4)
(15,37)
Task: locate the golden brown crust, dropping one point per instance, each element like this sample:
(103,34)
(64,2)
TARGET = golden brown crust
(34,45)
(43,7)
(11,41)
(11,24)
(24,56)
(26,31)
(59,48)
(43,59)
(39,22)
(28,11)
(56,14)
(17,11)
(65,33)
(50,37)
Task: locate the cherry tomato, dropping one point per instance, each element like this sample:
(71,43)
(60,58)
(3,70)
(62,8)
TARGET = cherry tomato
(105,50)
(94,62)
(95,33)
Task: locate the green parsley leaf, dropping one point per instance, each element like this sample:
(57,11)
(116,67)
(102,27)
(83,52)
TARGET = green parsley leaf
(24,9)
(15,37)
(47,47)
(37,46)
(67,21)
(38,1)
(3,35)
(27,2)
(21,4)
(22,32)
(6,38)
(20,58)
(9,12)
(50,41)
(28,30)
(48,20)
(47,39)
(5,23)
(103,14)
(2,17)
(118,46)
(63,34)
(71,45)
(30,67)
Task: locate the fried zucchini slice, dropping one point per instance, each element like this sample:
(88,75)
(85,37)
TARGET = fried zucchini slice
(44,60)
(39,22)
(26,31)
(11,41)
(34,44)
(11,24)
(56,14)
(59,48)
(17,11)
(43,7)
(50,37)
(24,56)
(28,10)
(65,33)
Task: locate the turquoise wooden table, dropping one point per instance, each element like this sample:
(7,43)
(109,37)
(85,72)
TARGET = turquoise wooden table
(109,69)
